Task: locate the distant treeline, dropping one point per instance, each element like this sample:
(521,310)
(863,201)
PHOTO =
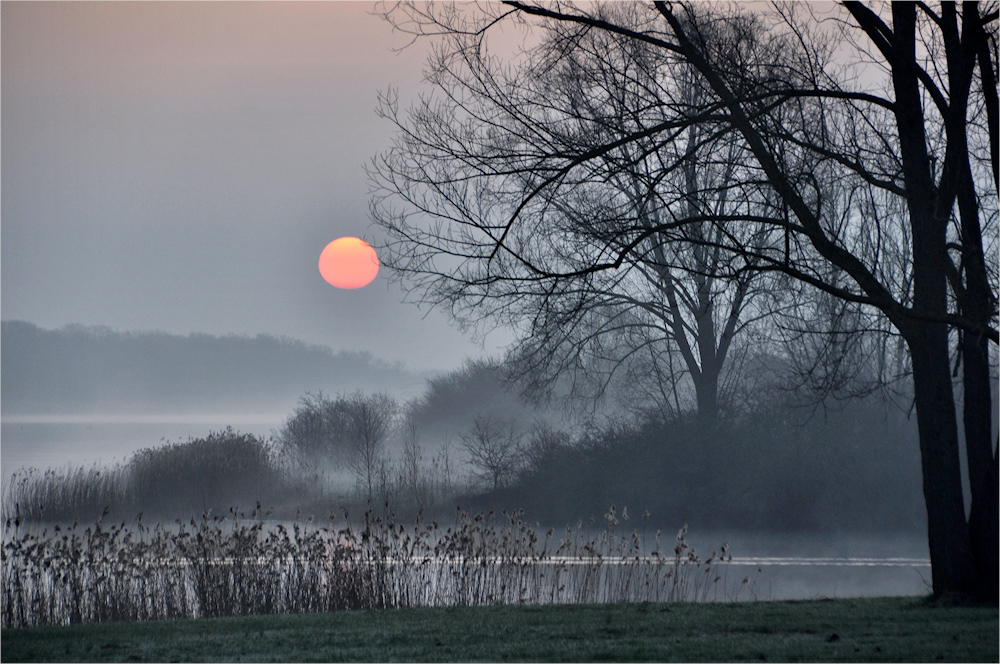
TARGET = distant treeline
(77,369)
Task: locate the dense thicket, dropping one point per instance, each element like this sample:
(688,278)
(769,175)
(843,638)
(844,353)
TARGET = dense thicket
(237,565)
(850,470)
(779,467)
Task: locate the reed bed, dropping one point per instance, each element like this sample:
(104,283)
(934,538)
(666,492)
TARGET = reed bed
(224,468)
(239,564)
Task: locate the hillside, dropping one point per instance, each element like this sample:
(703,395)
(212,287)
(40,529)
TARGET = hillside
(82,370)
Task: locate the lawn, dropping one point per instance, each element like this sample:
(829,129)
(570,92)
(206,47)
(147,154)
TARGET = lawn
(888,629)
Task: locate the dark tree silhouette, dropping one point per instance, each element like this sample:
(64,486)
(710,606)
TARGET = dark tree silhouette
(371,418)
(316,434)
(494,449)
(871,178)
(666,322)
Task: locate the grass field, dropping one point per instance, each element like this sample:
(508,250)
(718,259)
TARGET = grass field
(889,629)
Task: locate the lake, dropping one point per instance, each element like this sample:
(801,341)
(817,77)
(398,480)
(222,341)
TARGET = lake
(783,565)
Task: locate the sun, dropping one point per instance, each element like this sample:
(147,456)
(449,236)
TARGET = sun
(348,262)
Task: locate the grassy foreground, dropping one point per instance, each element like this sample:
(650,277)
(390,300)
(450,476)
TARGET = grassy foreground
(889,629)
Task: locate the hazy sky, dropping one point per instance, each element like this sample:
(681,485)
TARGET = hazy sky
(180,167)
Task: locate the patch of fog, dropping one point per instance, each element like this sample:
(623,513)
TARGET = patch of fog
(155,418)
(42,441)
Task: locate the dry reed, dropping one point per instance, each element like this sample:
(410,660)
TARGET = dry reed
(241,564)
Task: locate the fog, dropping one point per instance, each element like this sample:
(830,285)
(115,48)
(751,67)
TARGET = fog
(170,175)
(179,168)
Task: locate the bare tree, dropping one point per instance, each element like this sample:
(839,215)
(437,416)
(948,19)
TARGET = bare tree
(577,325)
(442,479)
(412,472)
(494,449)
(931,64)
(908,114)
(372,417)
(316,436)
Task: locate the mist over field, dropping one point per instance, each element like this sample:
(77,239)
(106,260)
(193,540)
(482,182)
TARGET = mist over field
(323,306)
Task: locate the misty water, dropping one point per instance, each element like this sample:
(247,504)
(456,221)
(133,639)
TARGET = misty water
(776,565)
(823,565)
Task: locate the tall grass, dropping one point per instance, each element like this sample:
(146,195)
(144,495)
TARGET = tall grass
(209,473)
(238,565)
(64,494)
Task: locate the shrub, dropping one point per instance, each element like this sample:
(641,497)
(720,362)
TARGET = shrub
(224,468)
(211,473)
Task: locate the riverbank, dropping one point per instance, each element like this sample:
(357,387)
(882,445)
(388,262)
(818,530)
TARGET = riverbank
(883,629)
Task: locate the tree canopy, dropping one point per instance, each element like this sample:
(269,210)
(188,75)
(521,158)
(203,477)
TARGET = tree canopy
(849,153)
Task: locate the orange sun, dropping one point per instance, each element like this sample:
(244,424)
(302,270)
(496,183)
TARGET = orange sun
(348,262)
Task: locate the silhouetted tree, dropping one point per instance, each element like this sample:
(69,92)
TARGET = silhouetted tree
(667,318)
(494,449)
(878,173)
(412,473)
(371,419)
(316,436)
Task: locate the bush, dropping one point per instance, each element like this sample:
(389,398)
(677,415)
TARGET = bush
(223,469)
(852,470)
(317,433)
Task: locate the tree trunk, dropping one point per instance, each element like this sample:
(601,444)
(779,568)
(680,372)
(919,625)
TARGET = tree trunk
(975,304)
(952,567)
(706,389)
(947,530)
(975,297)
(982,463)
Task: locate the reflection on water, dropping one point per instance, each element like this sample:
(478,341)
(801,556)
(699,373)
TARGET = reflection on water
(783,566)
